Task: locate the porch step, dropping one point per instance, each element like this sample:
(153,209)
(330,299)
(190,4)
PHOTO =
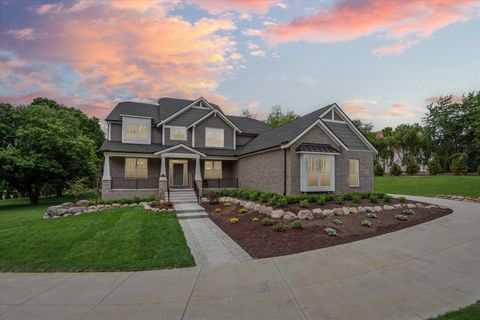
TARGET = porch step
(190,211)
(192,215)
(194,200)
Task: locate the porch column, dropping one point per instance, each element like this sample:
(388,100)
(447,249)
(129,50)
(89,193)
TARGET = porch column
(162,180)
(106,179)
(198,176)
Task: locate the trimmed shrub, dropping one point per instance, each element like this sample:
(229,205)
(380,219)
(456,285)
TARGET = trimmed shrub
(292,198)
(372,216)
(321,200)
(280,227)
(402,199)
(408,212)
(411,166)
(243,210)
(365,195)
(281,202)
(297,224)
(356,198)
(378,170)
(331,232)
(434,166)
(255,219)
(253,195)
(387,198)
(304,203)
(212,197)
(227,204)
(395,170)
(339,200)
(337,221)
(459,164)
(265,196)
(234,220)
(218,210)
(401,217)
(330,197)
(366,223)
(373,199)
(267,222)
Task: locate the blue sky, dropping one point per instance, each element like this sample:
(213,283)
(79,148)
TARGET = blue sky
(381,61)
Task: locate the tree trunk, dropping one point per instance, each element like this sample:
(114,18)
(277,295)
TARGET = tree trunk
(59,192)
(34,195)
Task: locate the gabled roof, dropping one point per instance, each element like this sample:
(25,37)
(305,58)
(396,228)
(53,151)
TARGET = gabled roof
(134,109)
(249,125)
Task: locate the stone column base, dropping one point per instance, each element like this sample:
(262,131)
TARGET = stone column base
(106,189)
(162,188)
(200,187)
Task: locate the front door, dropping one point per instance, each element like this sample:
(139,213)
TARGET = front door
(178,173)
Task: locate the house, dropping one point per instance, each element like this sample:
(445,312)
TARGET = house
(194,144)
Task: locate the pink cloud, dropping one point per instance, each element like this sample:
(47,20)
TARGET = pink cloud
(455,99)
(407,21)
(359,108)
(400,111)
(243,6)
(396,48)
(22,34)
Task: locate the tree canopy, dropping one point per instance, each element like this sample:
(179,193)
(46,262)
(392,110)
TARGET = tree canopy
(278,118)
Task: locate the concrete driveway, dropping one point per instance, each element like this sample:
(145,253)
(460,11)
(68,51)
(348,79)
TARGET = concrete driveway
(414,273)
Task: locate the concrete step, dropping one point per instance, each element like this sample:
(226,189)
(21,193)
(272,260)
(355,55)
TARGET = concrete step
(185,201)
(190,210)
(192,215)
(181,190)
(183,195)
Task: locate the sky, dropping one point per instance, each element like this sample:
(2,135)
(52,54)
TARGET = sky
(381,61)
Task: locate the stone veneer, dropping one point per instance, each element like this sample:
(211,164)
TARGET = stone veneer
(115,194)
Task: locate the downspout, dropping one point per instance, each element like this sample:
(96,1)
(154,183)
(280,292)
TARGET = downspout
(285,172)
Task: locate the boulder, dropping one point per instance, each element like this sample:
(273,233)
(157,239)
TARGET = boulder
(46,216)
(305,214)
(222,199)
(410,205)
(243,203)
(397,205)
(235,201)
(369,209)
(388,208)
(443,207)
(76,210)
(328,213)
(377,209)
(82,203)
(317,213)
(55,217)
(277,214)
(203,200)
(124,206)
(115,205)
(361,210)
(257,207)
(267,210)
(420,205)
(67,214)
(249,205)
(92,207)
(289,215)
(338,211)
(67,204)
(78,213)
(431,206)
(353,210)
(346,211)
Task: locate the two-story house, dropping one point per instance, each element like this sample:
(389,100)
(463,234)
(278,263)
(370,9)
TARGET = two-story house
(194,144)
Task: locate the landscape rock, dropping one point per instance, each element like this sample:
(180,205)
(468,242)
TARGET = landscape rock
(203,200)
(328,213)
(361,210)
(410,205)
(76,210)
(289,215)
(82,203)
(369,209)
(257,207)
(431,206)
(443,207)
(397,205)
(115,205)
(67,205)
(346,211)
(67,214)
(305,214)
(353,210)
(338,211)
(317,213)
(124,206)
(249,205)
(378,209)
(420,205)
(277,214)
(267,210)
(388,208)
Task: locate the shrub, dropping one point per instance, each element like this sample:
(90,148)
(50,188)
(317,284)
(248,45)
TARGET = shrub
(373,199)
(372,216)
(339,200)
(337,221)
(408,212)
(331,232)
(281,202)
(227,204)
(356,198)
(267,222)
(321,200)
(365,195)
(272,200)
(401,217)
(292,198)
(212,197)
(253,195)
(255,219)
(297,224)
(434,166)
(265,196)
(378,169)
(243,210)
(330,197)
(304,203)
(402,199)
(387,198)
(312,198)
(395,169)
(218,210)
(459,164)
(366,223)
(280,227)
(411,165)
(234,220)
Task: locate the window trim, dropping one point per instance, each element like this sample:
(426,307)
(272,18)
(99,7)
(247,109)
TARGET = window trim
(213,170)
(358,173)
(136,167)
(304,187)
(215,129)
(177,127)
(136,121)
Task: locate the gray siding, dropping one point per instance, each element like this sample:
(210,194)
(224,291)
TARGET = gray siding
(156,135)
(346,135)
(188,117)
(336,116)
(328,116)
(169,142)
(116,131)
(213,122)
(243,140)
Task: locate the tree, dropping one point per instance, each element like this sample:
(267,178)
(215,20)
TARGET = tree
(277,118)
(365,128)
(52,145)
(459,163)
(247,114)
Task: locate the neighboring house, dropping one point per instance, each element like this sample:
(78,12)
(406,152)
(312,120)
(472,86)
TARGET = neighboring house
(193,144)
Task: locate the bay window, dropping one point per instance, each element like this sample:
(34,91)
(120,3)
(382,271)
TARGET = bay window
(317,172)
(136,168)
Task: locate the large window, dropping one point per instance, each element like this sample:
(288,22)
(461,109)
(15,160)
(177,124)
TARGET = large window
(214,137)
(353,172)
(178,133)
(213,170)
(317,172)
(136,168)
(136,130)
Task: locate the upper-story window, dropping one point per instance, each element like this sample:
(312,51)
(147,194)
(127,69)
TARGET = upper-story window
(214,137)
(178,133)
(136,130)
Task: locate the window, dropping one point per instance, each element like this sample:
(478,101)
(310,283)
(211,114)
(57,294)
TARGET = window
(136,168)
(178,133)
(213,170)
(136,130)
(214,137)
(317,172)
(353,173)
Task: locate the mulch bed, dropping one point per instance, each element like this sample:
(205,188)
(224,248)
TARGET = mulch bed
(261,241)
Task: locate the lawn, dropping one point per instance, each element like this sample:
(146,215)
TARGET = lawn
(120,239)
(471,312)
(429,185)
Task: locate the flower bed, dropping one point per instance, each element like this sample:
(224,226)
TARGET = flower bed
(268,230)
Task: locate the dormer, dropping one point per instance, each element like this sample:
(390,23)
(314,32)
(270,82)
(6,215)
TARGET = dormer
(136,129)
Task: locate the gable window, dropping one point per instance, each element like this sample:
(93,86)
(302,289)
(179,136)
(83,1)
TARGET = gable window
(136,168)
(136,130)
(178,133)
(353,173)
(213,170)
(214,137)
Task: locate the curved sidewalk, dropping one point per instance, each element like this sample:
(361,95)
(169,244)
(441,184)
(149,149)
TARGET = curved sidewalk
(415,273)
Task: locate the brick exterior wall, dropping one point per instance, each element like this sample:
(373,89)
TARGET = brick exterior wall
(263,172)
(365,171)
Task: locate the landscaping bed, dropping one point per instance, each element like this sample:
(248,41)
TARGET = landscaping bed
(262,241)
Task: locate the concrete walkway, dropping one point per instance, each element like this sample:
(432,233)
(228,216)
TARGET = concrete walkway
(415,273)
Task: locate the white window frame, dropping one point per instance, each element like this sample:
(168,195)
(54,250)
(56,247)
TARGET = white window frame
(213,169)
(215,129)
(136,168)
(304,187)
(358,173)
(178,127)
(136,121)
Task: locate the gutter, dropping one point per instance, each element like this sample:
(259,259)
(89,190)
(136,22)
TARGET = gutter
(284,169)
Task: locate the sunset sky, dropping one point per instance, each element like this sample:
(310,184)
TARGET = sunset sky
(382,61)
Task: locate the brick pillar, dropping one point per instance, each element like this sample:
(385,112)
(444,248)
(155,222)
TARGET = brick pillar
(162,181)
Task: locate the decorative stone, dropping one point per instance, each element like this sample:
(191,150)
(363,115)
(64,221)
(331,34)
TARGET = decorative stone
(78,213)
(67,214)
(55,217)
(361,210)
(328,213)
(243,203)
(92,208)
(397,205)
(432,206)
(46,216)
(388,208)
(317,213)
(82,203)
(115,205)
(76,210)
(420,205)
(203,199)
(277,214)
(67,204)
(257,207)
(289,215)
(443,207)
(305,214)
(369,209)
(267,210)
(346,211)
(353,210)
(249,205)
(410,205)
(124,206)
(377,209)
(338,211)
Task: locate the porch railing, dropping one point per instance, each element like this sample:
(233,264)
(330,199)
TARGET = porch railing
(122,183)
(220,183)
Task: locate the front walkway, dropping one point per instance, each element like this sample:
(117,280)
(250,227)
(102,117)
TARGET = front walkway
(415,273)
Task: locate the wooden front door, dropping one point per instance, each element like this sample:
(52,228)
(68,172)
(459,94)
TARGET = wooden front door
(178,173)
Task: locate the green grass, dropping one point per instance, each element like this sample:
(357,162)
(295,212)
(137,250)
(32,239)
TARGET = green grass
(429,185)
(120,239)
(471,312)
